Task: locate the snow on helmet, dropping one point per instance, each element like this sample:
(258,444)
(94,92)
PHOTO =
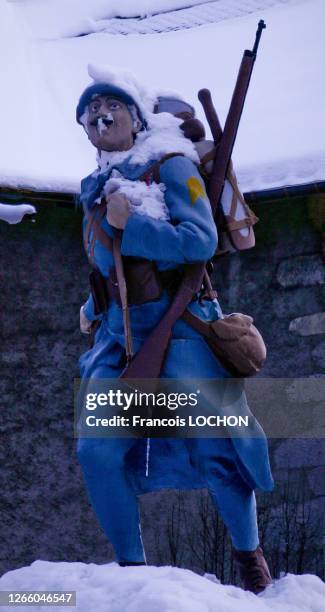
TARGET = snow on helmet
(102,89)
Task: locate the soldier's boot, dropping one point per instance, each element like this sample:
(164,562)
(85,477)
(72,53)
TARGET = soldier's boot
(253,570)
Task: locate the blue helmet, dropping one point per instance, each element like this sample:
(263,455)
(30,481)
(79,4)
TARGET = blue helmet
(102,89)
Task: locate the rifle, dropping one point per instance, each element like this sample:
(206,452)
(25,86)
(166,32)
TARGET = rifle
(148,361)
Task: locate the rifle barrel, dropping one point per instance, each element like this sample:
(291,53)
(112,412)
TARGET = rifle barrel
(224,152)
(260,28)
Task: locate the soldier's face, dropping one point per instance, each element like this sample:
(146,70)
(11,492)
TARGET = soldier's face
(109,124)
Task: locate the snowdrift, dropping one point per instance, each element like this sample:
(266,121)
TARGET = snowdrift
(110,588)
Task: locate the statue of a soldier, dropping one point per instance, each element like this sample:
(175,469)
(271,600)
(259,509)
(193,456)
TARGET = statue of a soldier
(170,224)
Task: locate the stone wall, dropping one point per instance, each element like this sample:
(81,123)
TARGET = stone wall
(281,283)
(44,510)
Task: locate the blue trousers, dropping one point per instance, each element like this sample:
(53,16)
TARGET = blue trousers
(112,493)
(115,502)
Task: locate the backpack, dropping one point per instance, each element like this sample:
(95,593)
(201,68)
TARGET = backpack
(234,218)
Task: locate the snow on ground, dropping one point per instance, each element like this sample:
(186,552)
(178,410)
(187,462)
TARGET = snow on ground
(281,140)
(110,588)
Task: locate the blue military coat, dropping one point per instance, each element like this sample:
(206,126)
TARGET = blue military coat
(189,236)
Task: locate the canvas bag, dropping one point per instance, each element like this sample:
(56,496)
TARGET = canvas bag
(234,218)
(234,340)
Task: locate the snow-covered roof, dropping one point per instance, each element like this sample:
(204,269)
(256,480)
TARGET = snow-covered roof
(180,45)
(66,18)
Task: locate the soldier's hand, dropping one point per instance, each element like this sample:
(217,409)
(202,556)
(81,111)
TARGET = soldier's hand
(118,210)
(85,325)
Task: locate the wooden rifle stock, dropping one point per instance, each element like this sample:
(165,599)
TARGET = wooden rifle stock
(148,361)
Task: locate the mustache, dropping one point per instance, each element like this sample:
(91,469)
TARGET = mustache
(106,120)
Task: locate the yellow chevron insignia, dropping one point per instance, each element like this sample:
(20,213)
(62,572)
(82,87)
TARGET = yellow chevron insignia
(195,188)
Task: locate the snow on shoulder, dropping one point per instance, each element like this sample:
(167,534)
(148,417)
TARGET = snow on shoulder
(110,588)
(161,137)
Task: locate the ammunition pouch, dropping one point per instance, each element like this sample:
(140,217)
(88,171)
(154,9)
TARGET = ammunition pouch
(98,290)
(143,280)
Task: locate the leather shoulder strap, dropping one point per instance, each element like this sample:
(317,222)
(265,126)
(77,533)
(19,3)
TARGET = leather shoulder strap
(94,219)
(154,171)
(200,326)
